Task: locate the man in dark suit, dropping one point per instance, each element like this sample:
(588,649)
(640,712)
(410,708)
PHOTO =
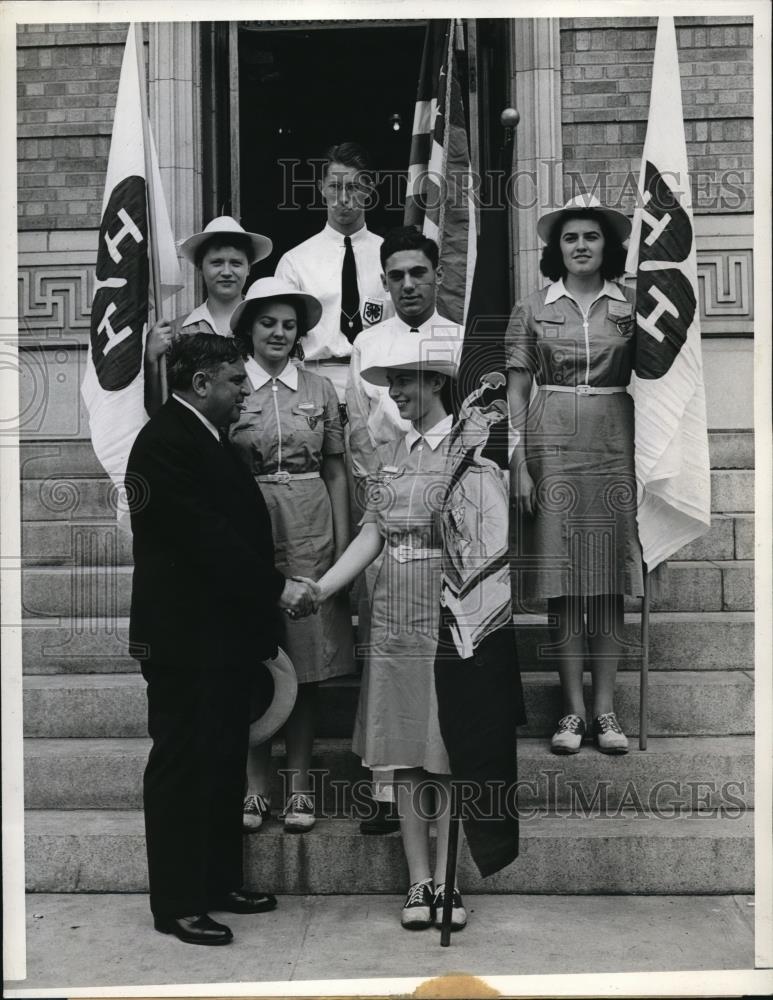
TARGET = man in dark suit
(205,601)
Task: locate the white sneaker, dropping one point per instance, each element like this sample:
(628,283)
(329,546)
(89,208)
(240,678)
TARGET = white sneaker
(419,907)
(609,737)
(568,737)
(257,808)
(299,813)
(458,912)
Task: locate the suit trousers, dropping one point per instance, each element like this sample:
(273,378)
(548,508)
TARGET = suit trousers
(198,719)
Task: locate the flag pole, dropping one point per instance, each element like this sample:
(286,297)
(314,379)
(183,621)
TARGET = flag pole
(450,877)
(645,663)
(155,268)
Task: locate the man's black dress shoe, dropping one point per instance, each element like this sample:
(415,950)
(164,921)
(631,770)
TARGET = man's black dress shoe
(241,901)
(198,929)
(385,820)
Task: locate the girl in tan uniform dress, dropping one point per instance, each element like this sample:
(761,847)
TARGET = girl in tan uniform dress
(397,720)
(291,438)
(572,472)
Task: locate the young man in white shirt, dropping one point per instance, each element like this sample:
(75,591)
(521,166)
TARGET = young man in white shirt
(411,274)
(340,266)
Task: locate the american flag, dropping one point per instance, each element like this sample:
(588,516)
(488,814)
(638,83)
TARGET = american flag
(477,682)
(439,198)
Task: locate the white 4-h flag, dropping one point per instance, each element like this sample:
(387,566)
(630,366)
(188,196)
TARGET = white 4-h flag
(672,450)
(113,385)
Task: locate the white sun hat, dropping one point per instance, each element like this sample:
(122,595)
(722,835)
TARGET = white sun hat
(282,676)
(224,225)
(416,352)
(620,223)
(271,288)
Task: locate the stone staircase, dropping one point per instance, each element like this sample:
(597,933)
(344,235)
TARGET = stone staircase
(677,818)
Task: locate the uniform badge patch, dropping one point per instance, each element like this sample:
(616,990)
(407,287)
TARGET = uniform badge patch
(621,314)
(312,412)
(372,311)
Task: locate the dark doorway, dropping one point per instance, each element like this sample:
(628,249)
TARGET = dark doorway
(302,90)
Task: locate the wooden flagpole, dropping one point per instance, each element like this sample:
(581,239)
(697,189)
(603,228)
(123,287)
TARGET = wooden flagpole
(453,830)
(155,269)
(645,663)
(450,883)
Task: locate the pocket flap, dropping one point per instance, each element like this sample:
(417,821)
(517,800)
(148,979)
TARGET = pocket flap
(619,310)
(309,409)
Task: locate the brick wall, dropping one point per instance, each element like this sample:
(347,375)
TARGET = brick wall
(67,81)
(606,68)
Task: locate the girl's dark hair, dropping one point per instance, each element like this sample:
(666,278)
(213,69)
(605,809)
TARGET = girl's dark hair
(243,331)
(239,241)
(446,390)
(614,256)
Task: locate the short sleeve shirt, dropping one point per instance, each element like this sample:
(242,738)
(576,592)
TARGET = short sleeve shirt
(405,496)
(549,336)
(315,266)
(198,321)
(289,423)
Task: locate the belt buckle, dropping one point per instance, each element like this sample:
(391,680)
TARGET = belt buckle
(404,552)
(582,390)
(283,477)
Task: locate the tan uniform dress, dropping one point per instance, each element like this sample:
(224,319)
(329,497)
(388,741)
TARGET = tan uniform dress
(582,539)
(397,721)
(289,425)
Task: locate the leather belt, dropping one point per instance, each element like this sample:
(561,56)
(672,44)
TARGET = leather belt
(585,390)
(407,553)
(285,477)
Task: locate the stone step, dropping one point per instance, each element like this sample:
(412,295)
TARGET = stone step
(84,543)
(713,640)
(41,458)
(732,490)
(97,591)
(70,543)
(705,772)
(679,640)
(731,536)
(69,498)
(719,585)
(731,449)
(700,853)
(682,703)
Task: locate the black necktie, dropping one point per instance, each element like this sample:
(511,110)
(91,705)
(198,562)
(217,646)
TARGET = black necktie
(413,330)
(351,321)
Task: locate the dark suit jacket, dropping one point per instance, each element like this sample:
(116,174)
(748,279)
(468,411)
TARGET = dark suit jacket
(204,578)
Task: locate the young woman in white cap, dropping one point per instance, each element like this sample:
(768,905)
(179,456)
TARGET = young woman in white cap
(224,253)
(291,437)
(397,724)
(572,472)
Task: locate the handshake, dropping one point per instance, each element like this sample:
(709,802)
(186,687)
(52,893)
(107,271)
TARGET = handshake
(300,597)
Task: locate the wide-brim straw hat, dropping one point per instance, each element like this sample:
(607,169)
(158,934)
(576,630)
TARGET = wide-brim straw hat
(278,674)
(271,288)
(224,225)
(414,352)
(620,223)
